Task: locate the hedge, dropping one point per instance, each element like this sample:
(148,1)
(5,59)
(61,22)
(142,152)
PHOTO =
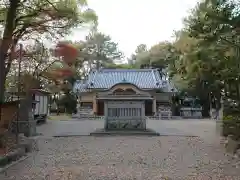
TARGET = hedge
(231,126)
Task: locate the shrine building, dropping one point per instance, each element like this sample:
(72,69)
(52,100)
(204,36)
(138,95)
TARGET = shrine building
(125,92)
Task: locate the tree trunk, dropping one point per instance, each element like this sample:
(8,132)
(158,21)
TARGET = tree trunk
(6,42)
(206,107)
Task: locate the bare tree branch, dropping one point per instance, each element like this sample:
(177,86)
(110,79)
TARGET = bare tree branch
(229,42)
(52,5)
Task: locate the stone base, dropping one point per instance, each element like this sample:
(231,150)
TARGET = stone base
(25,146)
(28,128)
(103,132)
(231,146)
(219,127)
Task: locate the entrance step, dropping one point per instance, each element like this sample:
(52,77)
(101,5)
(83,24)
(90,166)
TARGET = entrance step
(103,132)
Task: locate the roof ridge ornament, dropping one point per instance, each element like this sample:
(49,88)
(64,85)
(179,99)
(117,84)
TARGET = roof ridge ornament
(91,83)
(124,80)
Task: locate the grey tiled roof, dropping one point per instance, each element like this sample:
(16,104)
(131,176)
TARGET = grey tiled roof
(106,78)
(79,86)
(168,87)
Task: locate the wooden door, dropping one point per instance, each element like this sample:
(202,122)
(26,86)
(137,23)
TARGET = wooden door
(149,108)
(100,108)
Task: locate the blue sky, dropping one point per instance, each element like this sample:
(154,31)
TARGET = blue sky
(132,22)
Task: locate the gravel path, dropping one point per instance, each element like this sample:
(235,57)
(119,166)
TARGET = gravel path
(125,158)
(203,128)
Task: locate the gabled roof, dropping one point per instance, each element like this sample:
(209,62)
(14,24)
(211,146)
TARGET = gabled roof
(106,78)
(80,86)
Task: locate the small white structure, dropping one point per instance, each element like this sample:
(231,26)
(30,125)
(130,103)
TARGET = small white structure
(41,98)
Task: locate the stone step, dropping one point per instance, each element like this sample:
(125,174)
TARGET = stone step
(103,132)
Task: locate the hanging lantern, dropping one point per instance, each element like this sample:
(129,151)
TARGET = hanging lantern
(67,51)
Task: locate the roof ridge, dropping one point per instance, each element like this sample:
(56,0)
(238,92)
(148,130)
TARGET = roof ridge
(105,78)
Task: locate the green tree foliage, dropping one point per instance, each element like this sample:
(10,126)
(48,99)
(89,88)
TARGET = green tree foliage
(141,48)
(204,58)
(69,102)
(24,20)
(158,56)
(100,50)
(119,66)
(214,62)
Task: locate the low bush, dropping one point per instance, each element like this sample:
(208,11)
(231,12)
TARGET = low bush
(231,126)
(3,161)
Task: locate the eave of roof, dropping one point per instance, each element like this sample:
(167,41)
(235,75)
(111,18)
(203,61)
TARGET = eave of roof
(104,79)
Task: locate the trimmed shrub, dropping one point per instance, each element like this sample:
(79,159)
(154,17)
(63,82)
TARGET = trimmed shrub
(231,126)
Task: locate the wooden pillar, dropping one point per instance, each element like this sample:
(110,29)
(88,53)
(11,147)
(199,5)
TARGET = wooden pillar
(143,116)
(105,115)
(154,106)
(94,105)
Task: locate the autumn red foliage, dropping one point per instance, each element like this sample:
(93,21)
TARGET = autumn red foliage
(67,51)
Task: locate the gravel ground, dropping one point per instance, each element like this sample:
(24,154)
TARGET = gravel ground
(125,158)
(202,128)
